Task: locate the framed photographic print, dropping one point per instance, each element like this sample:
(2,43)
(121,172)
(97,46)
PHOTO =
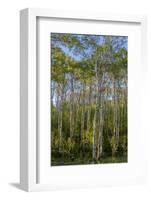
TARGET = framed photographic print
(82,77)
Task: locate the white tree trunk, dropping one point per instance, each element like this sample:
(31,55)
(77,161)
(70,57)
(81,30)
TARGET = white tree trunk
(83,113)
(89,110)
(71,107)
(100,136)
(94,137)
(60,112)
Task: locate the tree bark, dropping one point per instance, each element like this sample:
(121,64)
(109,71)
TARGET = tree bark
(60,112)
(116,118)
(89,109)
(100,136)
(94,136)
(94,140)
(71,107)
(83,114)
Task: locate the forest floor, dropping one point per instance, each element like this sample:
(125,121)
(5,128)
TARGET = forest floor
(78,161)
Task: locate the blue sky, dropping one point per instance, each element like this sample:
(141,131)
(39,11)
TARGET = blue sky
(79,56)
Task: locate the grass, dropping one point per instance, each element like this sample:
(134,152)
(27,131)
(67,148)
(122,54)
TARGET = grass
(85,161)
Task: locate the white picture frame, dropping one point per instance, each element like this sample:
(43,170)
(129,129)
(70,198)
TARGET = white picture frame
(29,148)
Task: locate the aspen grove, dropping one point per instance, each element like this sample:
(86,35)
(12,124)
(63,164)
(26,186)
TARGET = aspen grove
(88,99)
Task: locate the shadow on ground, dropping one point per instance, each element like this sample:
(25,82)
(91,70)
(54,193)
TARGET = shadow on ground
(16,185)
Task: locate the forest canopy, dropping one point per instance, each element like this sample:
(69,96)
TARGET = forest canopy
(88,99)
